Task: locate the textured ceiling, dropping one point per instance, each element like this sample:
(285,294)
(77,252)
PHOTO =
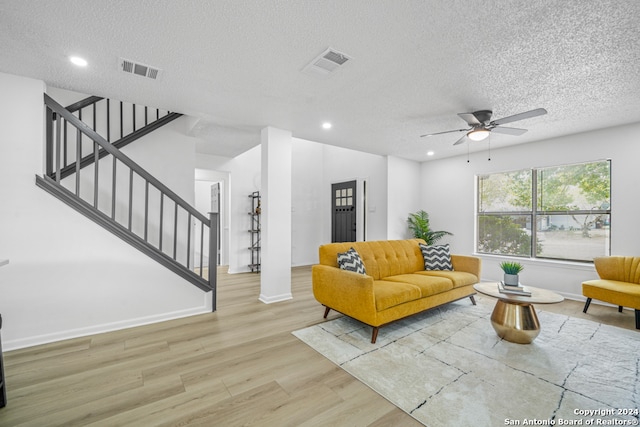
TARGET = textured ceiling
(236,65)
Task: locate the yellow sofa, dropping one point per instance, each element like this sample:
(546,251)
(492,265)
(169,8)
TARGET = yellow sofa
(396,284)
(619,283)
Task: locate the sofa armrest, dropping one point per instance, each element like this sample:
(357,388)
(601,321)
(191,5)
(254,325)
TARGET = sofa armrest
(345,291)
(467,263)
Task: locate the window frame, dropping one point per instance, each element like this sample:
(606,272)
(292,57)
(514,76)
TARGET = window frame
(535,214)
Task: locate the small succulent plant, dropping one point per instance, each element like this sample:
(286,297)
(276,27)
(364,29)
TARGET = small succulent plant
(511,267)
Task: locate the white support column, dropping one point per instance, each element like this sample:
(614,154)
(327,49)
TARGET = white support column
(275,270)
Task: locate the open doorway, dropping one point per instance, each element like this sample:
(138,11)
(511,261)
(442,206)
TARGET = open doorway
(211,195)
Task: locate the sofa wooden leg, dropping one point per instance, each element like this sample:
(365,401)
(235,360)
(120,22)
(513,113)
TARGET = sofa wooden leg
(586,305)
(326,312)
(374,334)
(637,319)
(619,309)
(473,300)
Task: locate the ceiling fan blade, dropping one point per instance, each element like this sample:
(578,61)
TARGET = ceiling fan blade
(461,140)
(508,131)
(521,116)
(470,118)
(447,131)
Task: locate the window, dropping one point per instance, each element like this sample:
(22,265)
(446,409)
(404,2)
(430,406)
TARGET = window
(560,212)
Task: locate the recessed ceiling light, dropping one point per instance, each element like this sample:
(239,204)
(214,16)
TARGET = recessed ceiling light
(326,125)
(76,60)
(430,153)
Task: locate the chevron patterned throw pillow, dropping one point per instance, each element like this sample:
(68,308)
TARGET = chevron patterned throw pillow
(351,261)
(436,257)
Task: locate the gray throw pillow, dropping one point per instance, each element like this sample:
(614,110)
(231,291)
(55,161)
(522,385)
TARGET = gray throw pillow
(436,257)
(351,261)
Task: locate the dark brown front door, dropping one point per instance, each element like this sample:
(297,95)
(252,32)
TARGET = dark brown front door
(343,212)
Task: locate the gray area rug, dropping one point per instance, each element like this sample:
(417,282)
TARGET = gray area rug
(447,367)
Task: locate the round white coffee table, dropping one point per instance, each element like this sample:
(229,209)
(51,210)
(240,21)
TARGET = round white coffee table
(514,318)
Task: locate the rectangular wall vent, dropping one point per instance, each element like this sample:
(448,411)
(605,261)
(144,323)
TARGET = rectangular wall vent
(326,63)
(139,69)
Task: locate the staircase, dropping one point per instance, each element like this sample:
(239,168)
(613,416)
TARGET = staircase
(85,168)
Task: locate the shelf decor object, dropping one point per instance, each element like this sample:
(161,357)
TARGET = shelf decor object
(254,231)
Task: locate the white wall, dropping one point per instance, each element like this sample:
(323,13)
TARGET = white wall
(448,195)
(169,155)
(314,168)
(244,179)
(307,194)
(403,182)
(341,165)
(68,276)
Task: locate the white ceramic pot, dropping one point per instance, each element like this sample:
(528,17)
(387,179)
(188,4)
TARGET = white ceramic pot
(511,279)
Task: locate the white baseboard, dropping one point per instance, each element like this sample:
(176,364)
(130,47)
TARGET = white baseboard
(106,327)
(575,297)
(277,298)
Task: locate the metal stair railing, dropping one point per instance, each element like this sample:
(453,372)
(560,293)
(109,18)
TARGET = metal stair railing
(125,121)
(127,200)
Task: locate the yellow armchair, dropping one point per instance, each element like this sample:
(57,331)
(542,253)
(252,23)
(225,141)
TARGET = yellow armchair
(619,283)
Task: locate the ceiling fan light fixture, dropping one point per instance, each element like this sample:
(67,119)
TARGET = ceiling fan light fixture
(478,134)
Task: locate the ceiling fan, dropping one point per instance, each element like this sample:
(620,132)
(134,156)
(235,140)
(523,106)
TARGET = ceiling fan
(482,125)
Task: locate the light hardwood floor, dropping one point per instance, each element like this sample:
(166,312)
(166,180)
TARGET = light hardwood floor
(238,366)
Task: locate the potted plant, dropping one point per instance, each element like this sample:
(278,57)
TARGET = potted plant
(511,270)
(419,226)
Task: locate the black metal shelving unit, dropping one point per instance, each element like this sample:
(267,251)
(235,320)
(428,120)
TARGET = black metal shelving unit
(255,232)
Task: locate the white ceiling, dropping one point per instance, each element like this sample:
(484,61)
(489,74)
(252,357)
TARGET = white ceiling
(237,65)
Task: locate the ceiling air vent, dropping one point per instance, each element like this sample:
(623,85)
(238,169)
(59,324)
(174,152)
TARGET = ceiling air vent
(139,69)
(326,63)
